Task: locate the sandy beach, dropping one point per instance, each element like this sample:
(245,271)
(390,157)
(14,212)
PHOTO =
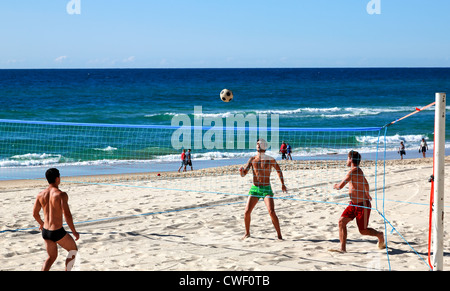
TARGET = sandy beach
(194,221)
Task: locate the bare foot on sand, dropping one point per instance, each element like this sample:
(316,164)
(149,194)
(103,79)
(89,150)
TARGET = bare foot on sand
(247,235)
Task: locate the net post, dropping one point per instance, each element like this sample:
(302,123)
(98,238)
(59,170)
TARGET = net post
(439,158)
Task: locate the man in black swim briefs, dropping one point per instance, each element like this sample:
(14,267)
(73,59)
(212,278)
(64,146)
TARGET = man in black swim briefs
(54,204)
(53,235)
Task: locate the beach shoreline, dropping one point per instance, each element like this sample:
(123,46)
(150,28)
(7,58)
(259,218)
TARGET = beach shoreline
(37,172)
(231,168)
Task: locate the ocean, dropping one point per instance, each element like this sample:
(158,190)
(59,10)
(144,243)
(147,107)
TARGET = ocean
(300,98)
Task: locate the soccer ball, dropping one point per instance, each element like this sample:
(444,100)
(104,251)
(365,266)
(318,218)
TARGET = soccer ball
(226,95)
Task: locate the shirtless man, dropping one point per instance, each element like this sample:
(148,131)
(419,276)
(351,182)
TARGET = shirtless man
(359,206)
(54,204)
(262,166)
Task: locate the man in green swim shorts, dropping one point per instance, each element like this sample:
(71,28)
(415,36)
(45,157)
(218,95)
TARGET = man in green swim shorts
(262,165)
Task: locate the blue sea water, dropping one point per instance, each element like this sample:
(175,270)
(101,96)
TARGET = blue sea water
(302,98)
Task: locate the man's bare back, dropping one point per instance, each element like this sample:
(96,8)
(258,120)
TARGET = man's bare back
(51,203)
(54,204)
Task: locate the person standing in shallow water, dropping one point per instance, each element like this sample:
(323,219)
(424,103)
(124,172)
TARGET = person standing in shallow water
(401,150)
(423,147)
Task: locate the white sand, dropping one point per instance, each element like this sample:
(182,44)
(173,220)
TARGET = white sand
(192,230)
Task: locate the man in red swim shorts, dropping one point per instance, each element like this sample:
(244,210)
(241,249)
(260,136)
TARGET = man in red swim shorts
(359,206)
(360,211)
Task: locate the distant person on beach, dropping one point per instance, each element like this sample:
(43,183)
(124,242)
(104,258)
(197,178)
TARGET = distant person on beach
(288,151)
(423,147)
(261,165)
(183,161)
(54,203)
(283,150)
(188,160)
(359,206)
(401,150)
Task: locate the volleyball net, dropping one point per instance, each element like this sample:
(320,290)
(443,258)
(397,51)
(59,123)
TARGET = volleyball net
(207,161)
(144,151)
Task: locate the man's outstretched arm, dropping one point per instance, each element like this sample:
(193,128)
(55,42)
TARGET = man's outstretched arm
(343,183)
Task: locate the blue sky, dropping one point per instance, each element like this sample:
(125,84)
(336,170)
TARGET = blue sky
(224,33)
